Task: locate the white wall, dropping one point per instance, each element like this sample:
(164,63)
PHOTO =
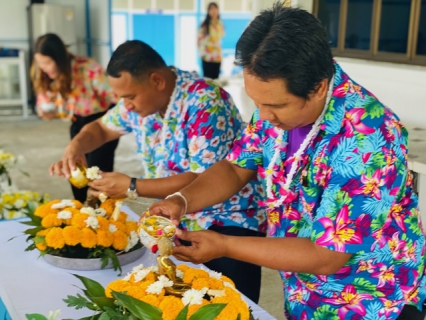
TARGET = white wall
(13,24)
(401,87)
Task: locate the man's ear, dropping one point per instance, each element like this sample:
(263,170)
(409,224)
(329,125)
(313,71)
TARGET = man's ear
(157,80)
(321,90)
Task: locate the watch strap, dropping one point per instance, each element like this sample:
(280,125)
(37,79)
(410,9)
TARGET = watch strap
(133,184)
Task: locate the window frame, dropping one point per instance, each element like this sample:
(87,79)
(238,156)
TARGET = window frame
(410,57)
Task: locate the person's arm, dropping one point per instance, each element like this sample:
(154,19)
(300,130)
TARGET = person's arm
(289,254)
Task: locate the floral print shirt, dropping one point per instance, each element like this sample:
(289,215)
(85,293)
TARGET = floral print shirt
(90,90)
(197,130)
(209,45)
(352,192)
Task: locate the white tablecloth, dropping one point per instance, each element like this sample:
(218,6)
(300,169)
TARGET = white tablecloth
(28,284)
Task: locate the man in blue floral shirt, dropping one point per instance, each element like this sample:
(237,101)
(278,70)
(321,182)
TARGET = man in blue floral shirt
(182,124)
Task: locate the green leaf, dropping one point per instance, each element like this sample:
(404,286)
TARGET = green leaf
(80,302)
(94,289)
(325,313)
(183,314)
(103,302)
(365,286)
(35,316)
(138,308)
(208,312)
(110,254)
(239,316)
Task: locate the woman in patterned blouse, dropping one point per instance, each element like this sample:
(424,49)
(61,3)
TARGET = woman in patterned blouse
(75,88)
(209,36)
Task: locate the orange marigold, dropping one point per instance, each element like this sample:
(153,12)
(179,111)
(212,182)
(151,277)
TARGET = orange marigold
(103,223)
(73,211)
(120,240)
(79,219)
(122,217)
(72,235)
(192,274)
(55,238)
(41,245)
(226,279)
(135,292)
(51,220)
(78,204)
(234,307)
(105,238)
(171,306)
(108,205)
(42,232)
(131,226)
(200,283)
(44,209)
(151,299)
(117,285)
(120,225)
(182,267)
(88,238)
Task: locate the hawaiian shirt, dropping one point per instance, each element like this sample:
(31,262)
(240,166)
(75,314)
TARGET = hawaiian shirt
(197,130)
(90,90)
(209,45)
(352,192)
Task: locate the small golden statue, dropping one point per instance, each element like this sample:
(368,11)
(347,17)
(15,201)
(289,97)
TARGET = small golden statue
(158,232)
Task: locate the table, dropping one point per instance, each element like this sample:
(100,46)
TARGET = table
(28,284)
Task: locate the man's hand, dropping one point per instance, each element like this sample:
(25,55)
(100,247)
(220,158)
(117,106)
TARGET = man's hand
(172,208)
(205,246)
(112,184)
(72,155)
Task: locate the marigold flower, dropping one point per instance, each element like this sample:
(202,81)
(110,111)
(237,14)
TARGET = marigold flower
(78,204)
(55,239)
(88,238)
(79,220)
(226,279)
(171,306)
(131,226)
(103,223)
(41,246)
(72,235)
(120,240)
(136,292)
(151,299)
(108,205)
(105,238)
(192,274)
(42,233)
(117,285)
(119,225)
(44,210)
(51,220)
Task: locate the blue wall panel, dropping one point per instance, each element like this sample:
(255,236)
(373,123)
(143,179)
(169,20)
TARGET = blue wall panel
(158,30)
(233,30)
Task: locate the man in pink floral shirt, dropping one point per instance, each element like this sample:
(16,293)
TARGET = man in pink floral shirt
(343,218)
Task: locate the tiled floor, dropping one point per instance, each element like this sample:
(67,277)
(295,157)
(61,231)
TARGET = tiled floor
(42,143)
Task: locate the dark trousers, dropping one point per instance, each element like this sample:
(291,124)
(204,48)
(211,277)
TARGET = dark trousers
(211,69)
(103,157)
(412,313)
(246,276)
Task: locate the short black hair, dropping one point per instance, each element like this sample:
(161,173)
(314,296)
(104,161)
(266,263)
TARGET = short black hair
(289,44)
(135,57)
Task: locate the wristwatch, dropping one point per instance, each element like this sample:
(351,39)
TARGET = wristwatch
(131,193)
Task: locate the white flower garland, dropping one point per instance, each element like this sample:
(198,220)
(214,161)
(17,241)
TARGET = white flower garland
(290,176)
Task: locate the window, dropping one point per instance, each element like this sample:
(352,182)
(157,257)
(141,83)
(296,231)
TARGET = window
(386,30)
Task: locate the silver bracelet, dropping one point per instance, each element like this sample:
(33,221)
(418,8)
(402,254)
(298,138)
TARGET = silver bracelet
(180,195)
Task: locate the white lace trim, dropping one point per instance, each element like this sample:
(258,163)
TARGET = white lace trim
(296,157)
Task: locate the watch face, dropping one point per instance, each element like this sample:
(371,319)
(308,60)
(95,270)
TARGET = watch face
(132,194)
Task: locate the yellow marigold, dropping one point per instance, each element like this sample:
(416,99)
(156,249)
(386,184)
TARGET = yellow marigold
(135,292)
(117,285)
(182,267)
(105,238)
(55,238)
(51,220)
(42,233)
(120,225)
(193,308)
(72,235)
(122,217)
(149,278)
(226,279)
(131,226)
(200,283)
(78,204)
(74,212)
(78,220)
(151,299)
(234,307)
(88,238)
(103,223)
(171,306)
(108,205)
(44,210)
(192,274)
(120,240)
(41,246)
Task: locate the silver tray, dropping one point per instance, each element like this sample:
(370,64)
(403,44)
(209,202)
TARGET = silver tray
(92,264)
